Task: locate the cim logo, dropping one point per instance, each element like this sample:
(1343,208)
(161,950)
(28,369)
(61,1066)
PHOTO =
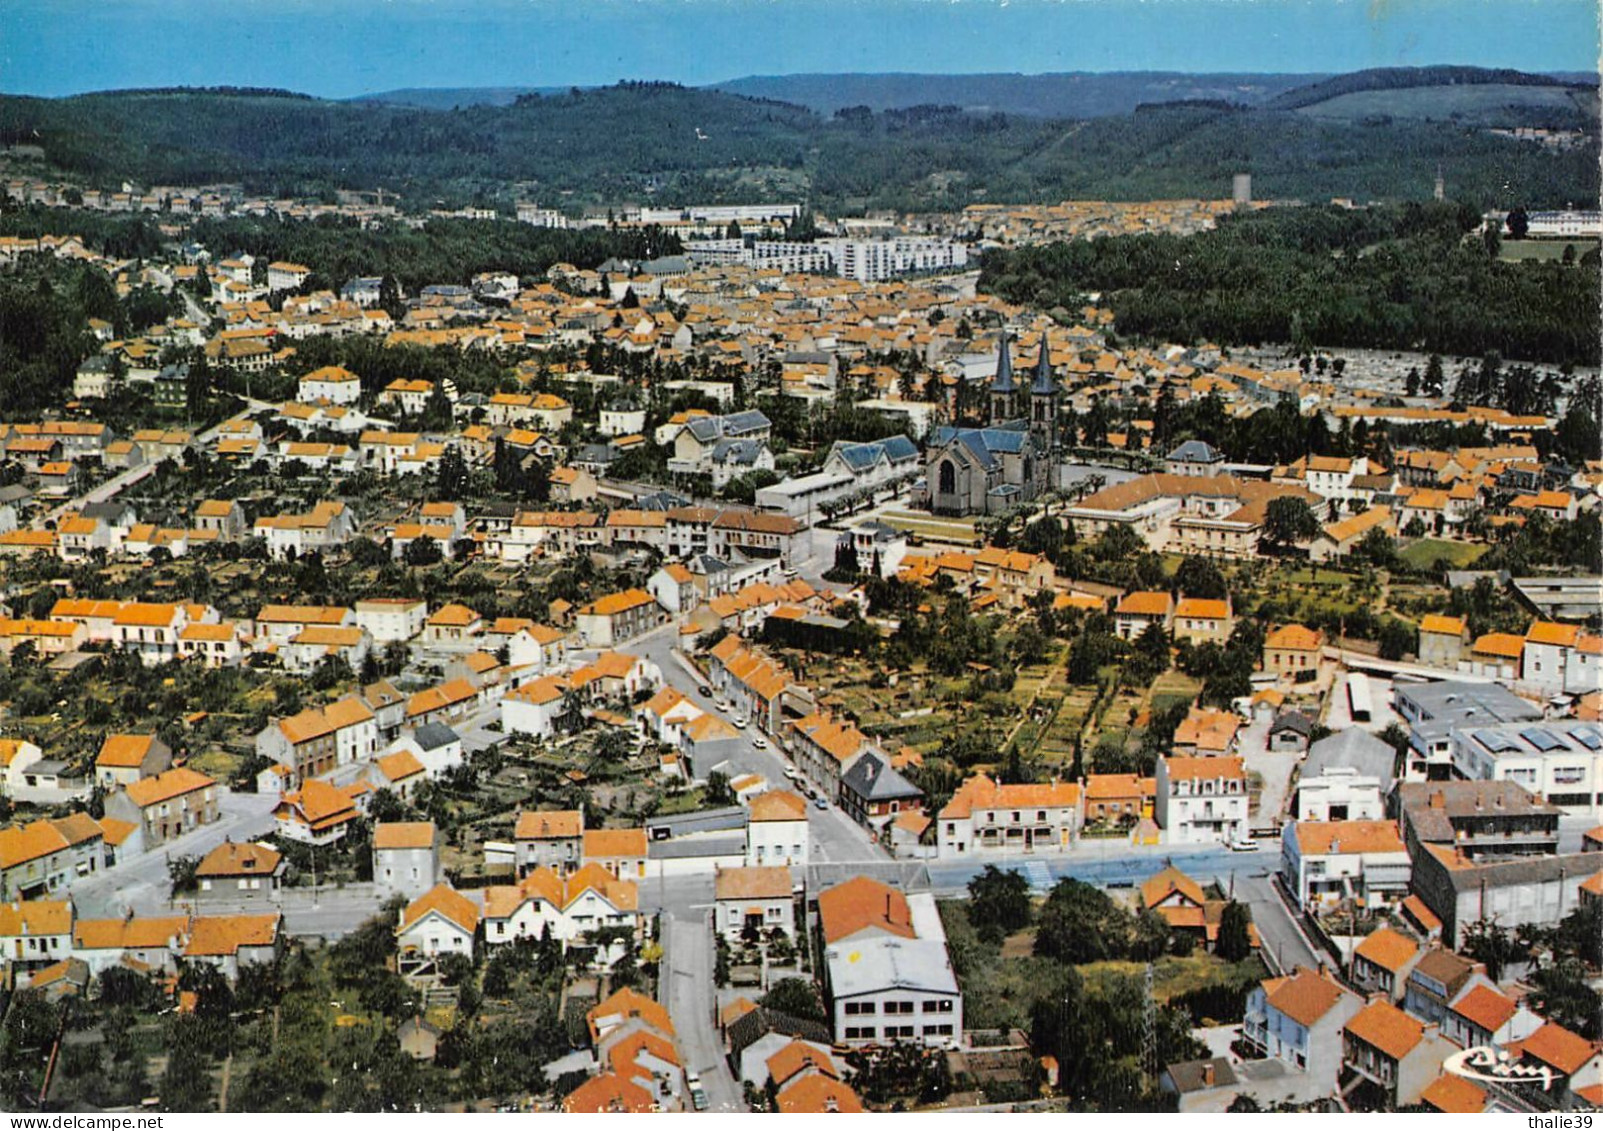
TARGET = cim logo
(1494,1067)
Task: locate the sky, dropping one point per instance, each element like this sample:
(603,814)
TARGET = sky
(342,48)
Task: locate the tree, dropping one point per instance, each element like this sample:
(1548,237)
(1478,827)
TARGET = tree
(795,996)
(1235,941)
(422,551)
(1199,577)
(451,480)
(181,871)
(999,903)
(1490,943)
(1080,923)
(1397,638)
(718,794)
(1519,222)
(1435,375)
(1289,520)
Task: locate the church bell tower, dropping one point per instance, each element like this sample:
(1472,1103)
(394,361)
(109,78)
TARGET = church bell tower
(1004,390)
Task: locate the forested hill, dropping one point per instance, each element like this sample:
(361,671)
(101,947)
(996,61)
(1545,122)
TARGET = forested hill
(643,141)
(1410,277)
(1407,78)
(1068,95)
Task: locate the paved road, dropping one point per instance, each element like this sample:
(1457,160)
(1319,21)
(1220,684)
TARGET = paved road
(688,988)
(329,913)
(141,883)
(834,836)
(1282,938)
(114,486)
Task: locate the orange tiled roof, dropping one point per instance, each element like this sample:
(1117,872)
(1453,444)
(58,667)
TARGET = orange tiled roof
(217,935)
(1386,1028)
(446,901)
(559,824)
(1388,949)
(231,859)
(1145,605)
(752,883)
(778,805)
(1305,996)
(1296,638)
(1454,1095)
(1486,1007)
(614,843)
(817,1094)
(404,834)
(1558,1048)
(1328,838)
(165,786)
(861,904)
(124,751)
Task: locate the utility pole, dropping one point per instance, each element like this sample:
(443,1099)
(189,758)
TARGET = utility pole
(1149,1029)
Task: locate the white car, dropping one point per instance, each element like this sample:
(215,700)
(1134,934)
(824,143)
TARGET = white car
(740,722)
(760,742)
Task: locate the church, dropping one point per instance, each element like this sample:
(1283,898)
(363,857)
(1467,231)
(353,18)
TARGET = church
(1010,461)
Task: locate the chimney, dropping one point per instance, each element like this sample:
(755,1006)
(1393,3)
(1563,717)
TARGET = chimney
(1437,801)
(1208,1074)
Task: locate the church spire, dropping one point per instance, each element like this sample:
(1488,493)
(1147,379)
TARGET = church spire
(1044,385)
(1004,390)
(1003,381)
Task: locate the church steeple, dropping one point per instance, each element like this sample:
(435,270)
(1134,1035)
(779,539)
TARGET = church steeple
(1044,401)
(1004,390)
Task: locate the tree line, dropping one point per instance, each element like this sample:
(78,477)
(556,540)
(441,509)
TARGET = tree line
(1401,278)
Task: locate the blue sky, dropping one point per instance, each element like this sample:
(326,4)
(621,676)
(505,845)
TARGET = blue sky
(339,48)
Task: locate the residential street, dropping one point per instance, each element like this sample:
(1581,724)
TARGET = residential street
(141,884)
(687,990)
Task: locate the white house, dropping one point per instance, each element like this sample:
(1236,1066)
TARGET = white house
(776,831)
(406,856)
(588,899)
(332,383)
(388,619)
(752,900)
(441,921)
(987,817)
(1325,861)
(537,708)
(1202,799)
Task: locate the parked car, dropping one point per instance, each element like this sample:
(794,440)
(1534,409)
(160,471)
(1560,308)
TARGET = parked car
(704,690)
(740,722)
(820,803)
(760,742)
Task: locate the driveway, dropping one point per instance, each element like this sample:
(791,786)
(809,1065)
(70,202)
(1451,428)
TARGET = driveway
(1274,768)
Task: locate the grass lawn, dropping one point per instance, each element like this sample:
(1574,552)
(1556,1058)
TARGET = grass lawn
(957,530)
(1425,552)
(1547,250)
(1172,687)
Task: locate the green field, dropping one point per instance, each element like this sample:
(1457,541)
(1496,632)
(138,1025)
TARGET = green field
(1544,250)
(1426,551)
(1488,104)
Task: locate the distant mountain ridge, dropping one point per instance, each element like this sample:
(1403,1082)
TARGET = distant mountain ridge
(451,97)
(1069,94)
(639,141)
(1407,78)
